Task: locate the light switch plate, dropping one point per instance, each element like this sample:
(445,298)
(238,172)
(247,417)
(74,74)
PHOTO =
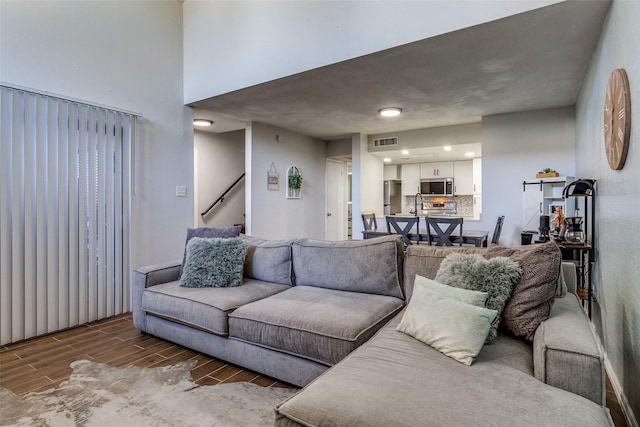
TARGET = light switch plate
(181,191)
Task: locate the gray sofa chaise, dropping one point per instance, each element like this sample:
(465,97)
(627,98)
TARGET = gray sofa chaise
(323,315)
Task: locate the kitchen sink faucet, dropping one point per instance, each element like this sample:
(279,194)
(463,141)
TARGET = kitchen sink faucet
(415,203)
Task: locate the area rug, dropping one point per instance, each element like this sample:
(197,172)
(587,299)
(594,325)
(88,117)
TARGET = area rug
(99,395)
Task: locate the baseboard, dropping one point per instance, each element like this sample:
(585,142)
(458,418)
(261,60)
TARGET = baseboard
(617,388)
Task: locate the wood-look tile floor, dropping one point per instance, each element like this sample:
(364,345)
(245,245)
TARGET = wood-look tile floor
(41,363)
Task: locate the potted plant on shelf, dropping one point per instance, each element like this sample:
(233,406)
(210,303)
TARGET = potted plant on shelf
(547,173)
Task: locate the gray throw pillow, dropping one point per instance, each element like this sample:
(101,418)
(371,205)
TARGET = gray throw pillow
(496,276)
(533,295)
(208,233)
(214,263)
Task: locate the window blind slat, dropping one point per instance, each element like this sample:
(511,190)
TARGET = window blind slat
(83,215)
(72,184)
(17,221)
(54,179)
(6,237)
(42,171)
(61,308)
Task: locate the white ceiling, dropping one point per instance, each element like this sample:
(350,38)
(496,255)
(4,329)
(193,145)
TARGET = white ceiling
(529,61)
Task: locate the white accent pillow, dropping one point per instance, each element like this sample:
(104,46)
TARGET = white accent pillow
(477,298)
(452,327)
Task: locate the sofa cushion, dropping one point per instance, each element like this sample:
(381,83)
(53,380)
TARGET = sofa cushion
(430,389)
(496,276)
(208,233)
(268,260)
(214,262)
(204,308)
(319,324)
(425,260)
(533,295)
(453,327)
(372,266)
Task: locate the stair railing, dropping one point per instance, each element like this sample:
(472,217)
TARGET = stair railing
(221,198)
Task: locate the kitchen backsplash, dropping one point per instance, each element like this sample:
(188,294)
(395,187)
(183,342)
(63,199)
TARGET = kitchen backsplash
(464,203)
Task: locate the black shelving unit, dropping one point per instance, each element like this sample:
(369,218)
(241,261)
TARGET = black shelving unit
(584,253)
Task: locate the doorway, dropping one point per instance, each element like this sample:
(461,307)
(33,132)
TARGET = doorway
(336,209)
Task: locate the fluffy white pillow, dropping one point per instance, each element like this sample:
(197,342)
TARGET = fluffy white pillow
(454,328)
(477,298)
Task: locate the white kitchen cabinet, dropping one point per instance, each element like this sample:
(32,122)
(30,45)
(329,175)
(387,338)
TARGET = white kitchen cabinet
(477,175)
(391,172)
(463,178)
(410,179)
(477,206)
(436,170)
(541,196)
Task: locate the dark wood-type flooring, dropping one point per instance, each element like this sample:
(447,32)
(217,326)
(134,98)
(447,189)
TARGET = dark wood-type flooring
(41,363)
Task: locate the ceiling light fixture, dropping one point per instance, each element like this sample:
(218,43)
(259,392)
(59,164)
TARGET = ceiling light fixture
(390,111)
(447,148)
(469,153)
(202,122)
(386,159)
(405,152)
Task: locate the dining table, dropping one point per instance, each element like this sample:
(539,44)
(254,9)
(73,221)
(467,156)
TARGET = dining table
(478,238)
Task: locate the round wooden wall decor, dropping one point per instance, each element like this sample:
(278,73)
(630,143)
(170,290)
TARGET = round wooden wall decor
(617,119)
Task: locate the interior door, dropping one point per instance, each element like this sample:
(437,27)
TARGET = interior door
(336,201)
(531,207)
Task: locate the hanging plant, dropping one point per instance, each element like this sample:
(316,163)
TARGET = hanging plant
(295,181)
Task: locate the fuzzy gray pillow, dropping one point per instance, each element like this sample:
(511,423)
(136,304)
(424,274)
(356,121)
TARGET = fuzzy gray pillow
(208,232)
(496,276)
(215,262)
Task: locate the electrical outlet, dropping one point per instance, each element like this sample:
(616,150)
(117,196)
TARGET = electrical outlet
(181,191)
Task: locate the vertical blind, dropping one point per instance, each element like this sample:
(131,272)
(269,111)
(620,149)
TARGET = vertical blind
(64,213)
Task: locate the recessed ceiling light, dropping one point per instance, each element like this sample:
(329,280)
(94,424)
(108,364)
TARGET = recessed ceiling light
(469,153)
(447,148)
(390,111)
(202,122)
(405,152)
(386,159)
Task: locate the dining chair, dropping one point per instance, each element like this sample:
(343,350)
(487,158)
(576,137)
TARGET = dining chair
(444,237)
(370,222)
(403,225)
(496,231)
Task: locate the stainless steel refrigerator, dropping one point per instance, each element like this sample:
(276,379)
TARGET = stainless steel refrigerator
(392,197)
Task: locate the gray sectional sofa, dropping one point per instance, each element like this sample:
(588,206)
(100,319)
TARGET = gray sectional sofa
(323,316)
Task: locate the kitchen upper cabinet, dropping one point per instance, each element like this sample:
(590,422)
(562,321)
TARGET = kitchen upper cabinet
(436,170)
(477,175)
(463,178)
(410,179)
(391,172)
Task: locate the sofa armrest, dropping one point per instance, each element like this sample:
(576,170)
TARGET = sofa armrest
(566,353)
(145,277)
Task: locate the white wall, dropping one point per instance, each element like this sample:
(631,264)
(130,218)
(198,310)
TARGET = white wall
(514,148)
(617,270)
(126,55)
(219,161)
(246,44)
(269,214)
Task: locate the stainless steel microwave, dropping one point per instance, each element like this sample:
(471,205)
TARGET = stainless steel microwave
(437,187)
